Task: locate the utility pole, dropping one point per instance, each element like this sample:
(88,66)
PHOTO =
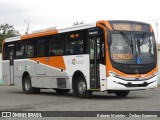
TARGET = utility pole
(27,30)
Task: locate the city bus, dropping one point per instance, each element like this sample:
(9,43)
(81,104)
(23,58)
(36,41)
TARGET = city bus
(116,56)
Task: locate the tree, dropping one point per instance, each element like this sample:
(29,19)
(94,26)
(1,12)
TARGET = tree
(6,31)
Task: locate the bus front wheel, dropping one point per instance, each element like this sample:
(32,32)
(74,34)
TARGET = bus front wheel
(81,87)
(121,93)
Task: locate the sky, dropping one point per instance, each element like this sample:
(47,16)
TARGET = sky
(50,13)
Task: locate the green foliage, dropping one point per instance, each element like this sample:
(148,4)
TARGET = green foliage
(6,31)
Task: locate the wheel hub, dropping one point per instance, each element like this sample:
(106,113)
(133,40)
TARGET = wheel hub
(82,87)
(27,85)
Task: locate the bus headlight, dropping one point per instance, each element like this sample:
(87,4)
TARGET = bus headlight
(154,74)
(113,74)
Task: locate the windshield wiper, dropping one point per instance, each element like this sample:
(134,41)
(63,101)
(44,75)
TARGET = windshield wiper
(129,42)
(126,38)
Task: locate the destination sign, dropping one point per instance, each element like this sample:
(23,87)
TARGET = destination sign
(121,56)
(130,27)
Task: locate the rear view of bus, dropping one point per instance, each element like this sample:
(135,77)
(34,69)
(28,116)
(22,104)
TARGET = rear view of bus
(131,58)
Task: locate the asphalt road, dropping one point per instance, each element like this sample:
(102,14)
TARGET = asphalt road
(13,99)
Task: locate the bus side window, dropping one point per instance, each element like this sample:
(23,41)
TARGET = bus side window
(20,50)
(29,49)
(5,52)
(40,48)
(78,47)
(74,43)
(56,45)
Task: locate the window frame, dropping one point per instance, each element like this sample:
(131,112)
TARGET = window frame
(6,52)
(62,37)
(36,46)
(15,49)
(26,45)
(83,37)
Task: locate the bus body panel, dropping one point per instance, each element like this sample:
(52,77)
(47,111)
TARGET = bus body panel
(116,84)
(103,80)
(78,63)
(6,72)
(49,80)
(38,80)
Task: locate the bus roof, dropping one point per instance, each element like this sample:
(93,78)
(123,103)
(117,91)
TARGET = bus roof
(51,31)
(76,27)
(56,30)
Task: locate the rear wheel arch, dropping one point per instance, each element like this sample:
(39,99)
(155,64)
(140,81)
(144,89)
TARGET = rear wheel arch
(24,75)
(27,79)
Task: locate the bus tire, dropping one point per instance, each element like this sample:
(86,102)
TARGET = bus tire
(81,88)
(62,91)
(27,86)
(121,93)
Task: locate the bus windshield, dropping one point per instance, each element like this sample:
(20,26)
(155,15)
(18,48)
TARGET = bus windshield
(133,48)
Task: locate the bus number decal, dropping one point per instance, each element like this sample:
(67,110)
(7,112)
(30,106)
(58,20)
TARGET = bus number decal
(24,68)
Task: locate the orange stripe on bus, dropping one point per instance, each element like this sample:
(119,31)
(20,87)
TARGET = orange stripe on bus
(56,61)
(151,29)
(40,34)
(106,23)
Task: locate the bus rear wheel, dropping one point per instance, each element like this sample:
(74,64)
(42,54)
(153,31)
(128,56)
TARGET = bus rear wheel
(62,91)
(81,88)
(27,86)
(121,93)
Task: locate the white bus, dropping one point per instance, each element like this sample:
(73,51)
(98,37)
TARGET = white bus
(114,56)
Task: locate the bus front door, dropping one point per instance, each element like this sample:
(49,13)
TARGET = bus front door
(94,62)
(11,64)
(97,60)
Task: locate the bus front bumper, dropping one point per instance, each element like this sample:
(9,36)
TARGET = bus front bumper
(114,83)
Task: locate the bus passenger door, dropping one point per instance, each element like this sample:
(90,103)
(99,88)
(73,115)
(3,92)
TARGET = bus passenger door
(97,60)
(94,65)
(11,63)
